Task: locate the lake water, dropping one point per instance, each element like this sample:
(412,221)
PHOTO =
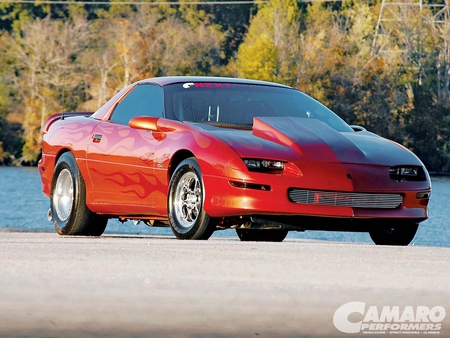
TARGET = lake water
(23,207)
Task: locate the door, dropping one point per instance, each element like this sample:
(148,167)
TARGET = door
(120,158)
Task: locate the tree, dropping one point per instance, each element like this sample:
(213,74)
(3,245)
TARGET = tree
(274,28)
(233,20)
(46,71)
(258,60)
(319,52)
(184,50)
(52,60)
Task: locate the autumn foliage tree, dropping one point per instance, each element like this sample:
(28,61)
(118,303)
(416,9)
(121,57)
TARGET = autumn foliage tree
(266,52)
(46,67)
(395,81)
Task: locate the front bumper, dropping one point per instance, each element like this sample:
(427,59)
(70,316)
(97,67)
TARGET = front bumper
(269,195)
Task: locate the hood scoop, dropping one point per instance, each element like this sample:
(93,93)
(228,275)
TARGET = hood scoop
(310,138)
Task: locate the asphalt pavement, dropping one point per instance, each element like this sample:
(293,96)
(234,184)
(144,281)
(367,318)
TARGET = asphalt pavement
(157,286)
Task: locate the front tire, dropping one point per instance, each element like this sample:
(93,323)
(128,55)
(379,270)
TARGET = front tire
(187,218)
(257,235)
(400,234)
(68,208)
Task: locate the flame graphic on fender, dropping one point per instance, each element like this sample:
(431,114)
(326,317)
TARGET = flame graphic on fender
(74,133)
(138,183)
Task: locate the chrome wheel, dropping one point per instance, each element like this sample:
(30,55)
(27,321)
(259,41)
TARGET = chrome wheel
(187,218)
(188,200)
(63,195)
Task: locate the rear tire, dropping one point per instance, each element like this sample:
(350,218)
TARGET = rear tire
(68,208)
(400,234)
(257,235)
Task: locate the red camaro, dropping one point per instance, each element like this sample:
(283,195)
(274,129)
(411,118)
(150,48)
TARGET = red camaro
(200,154)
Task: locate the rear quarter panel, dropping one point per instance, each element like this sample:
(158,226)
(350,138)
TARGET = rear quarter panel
(71,134)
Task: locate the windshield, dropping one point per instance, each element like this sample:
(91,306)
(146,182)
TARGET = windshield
(231,103)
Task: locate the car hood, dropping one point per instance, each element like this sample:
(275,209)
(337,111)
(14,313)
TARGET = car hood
(294,139)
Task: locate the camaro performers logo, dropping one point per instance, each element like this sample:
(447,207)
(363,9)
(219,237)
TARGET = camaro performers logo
(356,317)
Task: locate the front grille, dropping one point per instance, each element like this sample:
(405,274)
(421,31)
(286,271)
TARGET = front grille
(345,199)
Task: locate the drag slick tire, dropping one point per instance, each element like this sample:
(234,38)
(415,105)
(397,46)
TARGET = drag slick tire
(68,208)
(256,235)
(187,218)
(400,233)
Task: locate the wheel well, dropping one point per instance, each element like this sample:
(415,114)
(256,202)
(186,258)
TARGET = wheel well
(62,151)
(177,158)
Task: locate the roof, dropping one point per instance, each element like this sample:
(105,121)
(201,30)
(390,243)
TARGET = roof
(181,79)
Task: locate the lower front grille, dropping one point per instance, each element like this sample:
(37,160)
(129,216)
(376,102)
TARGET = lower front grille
(345,199)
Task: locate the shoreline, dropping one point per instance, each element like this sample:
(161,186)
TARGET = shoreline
(431,173)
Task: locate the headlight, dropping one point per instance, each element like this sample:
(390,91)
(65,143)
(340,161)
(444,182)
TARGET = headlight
(263,165)
(407,174)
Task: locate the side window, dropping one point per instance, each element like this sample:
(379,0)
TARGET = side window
(143,100)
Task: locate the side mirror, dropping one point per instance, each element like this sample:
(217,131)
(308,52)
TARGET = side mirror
(144,122)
